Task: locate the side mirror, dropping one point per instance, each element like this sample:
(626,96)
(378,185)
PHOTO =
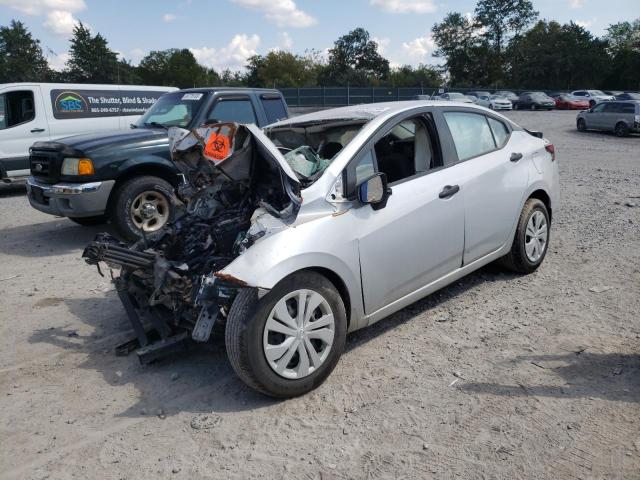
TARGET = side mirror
(374,191)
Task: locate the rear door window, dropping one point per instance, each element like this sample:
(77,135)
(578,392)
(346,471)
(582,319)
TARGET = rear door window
(273,108)
(232,110)
(471,134)
(628,108)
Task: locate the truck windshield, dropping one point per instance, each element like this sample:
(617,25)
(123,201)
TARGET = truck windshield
(173,110)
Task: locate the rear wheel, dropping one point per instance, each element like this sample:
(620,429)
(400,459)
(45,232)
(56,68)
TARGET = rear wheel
(531,241)
(533,107)
(287,343)
(141,204)
(622,130)
(582,125)
(89,221)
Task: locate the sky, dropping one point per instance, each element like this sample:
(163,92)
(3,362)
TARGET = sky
(224,33)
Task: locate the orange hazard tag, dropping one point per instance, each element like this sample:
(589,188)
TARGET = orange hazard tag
(218,147)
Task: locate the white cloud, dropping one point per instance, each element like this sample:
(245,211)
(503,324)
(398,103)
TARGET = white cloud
(285,41)
(136,55)
(60,22)
(576,3)
(42,7)
(168,17)
(419,48)
(283,13)
(58,61)
(383,44)
(405,6)
(233,56)
(586,23)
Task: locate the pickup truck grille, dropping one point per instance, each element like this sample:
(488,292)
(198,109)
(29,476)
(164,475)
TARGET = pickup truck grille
(45,165)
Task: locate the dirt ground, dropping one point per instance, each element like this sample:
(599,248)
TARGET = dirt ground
(495,377)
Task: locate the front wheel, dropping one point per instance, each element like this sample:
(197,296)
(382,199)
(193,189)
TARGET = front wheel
(287,343)
(582,125)
(531,241)
(141,204)
(533,107)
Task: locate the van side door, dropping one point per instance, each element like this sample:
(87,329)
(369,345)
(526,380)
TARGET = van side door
(24,122)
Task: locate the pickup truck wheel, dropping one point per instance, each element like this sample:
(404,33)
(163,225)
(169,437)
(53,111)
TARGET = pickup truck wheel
(89,221)
(287,343)
(531,241)
(141,203)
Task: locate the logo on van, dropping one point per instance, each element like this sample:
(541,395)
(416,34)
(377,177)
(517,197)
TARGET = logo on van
(70,102)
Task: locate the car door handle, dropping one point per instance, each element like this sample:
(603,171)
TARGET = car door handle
(37,130)
(516,157)
(449,191)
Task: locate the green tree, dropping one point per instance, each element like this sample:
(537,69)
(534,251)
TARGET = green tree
(175,67)
(90,58)
(467,53)
(282,69)
(503,18)
(408,76)
(551,56)
(21,58)
(623,42)
(355,59)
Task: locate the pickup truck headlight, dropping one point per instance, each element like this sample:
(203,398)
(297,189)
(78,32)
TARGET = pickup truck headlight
(77,166)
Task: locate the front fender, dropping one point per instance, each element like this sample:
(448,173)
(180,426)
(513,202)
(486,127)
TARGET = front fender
(298,248)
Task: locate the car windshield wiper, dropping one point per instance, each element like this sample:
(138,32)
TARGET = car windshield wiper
(156,124)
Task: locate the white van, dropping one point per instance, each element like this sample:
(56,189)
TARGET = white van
(31,112)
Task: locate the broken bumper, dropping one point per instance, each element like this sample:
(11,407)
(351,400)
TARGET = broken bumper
(70,199)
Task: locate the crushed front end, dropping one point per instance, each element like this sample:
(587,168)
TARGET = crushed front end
(167,282)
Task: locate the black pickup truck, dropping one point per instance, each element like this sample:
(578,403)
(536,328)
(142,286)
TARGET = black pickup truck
(126,177)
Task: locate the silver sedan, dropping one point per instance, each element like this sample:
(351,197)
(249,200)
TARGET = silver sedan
(417,196)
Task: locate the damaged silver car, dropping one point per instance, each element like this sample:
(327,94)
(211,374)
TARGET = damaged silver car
(288,238)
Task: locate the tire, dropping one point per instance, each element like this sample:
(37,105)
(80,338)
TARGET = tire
(518,259)
(516,107)
(245,336)
(533,107)
(121,212)
(89,221)
(621,130)
(582,125)
(591,103)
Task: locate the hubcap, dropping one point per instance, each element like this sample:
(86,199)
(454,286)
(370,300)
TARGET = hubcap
(150,211)
(536,236)
(298,334)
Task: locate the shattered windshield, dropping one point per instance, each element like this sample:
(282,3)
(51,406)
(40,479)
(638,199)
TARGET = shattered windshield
(309,148)
(173,110)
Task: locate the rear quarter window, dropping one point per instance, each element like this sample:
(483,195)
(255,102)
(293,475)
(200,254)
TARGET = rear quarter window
(500,131)
(274,109)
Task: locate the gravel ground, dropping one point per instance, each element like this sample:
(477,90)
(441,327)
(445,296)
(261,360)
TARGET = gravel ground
(497,376)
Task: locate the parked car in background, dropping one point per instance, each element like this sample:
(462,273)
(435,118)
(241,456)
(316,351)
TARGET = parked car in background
(420,195)
(628,96)
(494,102)
(31,112)
(569,102)
(555,95)
(593,96)
(473,98)
(535,101)
(620,117)
(614,93)
(479,94)
(454,97)
(509,95)
(127,177)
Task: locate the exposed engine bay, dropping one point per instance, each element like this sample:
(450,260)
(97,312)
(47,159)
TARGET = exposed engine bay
(237,187)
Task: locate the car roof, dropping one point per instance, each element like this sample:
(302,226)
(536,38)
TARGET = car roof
(232,89)
(369,111)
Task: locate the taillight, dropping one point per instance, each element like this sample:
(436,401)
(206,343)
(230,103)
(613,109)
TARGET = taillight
(552,150)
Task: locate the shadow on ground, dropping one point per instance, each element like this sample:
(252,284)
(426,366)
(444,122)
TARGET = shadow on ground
(56,237)
(201,379)
(12,189)
(610,376)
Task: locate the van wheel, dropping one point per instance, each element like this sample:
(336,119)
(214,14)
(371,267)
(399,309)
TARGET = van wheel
(531,241)
(582,125)
(141,204)
(89,221)
(287,343)
(622,130)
